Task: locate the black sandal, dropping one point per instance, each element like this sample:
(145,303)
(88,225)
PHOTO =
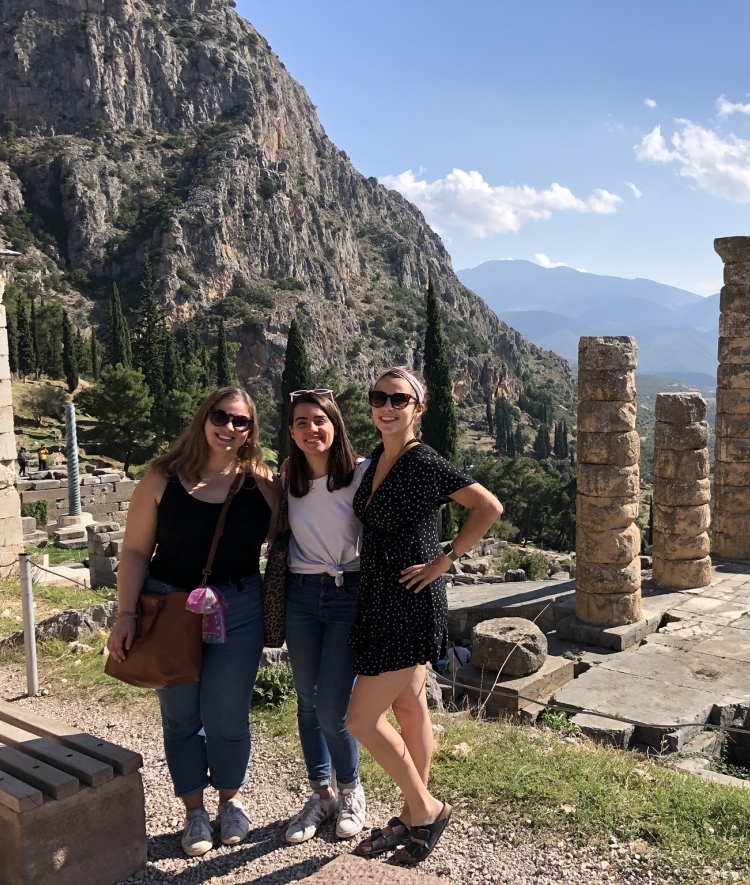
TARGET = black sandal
(379,843)
(422,840)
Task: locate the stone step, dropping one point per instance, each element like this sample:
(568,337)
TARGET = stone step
(35,539)
(74,544)
(70,533)
(348,869)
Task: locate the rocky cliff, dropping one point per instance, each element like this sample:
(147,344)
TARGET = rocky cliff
(170,129)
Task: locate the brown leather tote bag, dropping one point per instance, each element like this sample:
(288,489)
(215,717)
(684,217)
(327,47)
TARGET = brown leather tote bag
(166,651)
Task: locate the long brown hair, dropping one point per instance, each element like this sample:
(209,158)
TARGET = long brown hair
(189,453)
(341,458)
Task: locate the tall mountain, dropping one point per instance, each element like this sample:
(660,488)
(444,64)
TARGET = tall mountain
(677,331)
(169,129)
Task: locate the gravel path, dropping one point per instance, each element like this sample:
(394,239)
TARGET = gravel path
(278,791)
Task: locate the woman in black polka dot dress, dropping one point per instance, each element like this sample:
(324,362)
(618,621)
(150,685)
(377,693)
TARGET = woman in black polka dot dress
(402,610)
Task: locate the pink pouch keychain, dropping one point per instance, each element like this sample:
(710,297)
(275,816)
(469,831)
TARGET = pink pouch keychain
(209,602)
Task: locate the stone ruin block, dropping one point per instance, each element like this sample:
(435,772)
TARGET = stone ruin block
(682,492)
(511,646)
(732,452)
(608,570)
(101,540)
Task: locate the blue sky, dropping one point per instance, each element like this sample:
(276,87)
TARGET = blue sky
(522,130)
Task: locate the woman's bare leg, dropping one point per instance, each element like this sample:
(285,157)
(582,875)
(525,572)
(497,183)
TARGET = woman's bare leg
(410,710)
(366,721)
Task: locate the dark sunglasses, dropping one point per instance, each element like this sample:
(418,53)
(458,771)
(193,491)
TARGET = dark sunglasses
(220,418)
(378,398)
(321,391)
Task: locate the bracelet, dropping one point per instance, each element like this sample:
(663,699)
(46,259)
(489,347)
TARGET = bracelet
(127,615)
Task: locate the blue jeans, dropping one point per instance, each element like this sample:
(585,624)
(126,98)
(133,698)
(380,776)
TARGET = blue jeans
(319,616)
(206,723)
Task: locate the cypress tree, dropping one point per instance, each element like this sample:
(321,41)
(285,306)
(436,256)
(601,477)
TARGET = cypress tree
(83,354)
(35,336)
(520,444)
(94,346)
(440,422)
(510,441)
(490,419)
(542,446)
(118,346)
(70,363)
(296,376)
(224,373)
(150,341)
(26,354)
(12,336)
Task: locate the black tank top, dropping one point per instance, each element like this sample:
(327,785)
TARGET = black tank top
(185,528)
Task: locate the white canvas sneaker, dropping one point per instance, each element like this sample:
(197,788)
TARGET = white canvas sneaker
(197,837)
(352,811)
(235,824)
(314,812)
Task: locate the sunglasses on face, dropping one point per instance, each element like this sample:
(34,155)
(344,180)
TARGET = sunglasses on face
(378,398)
(220,418)
(321,391)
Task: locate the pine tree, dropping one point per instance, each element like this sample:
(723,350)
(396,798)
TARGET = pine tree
(70,363)
(11,319)
(224,372)
(94,346)
(26,353)
(117,345)
(490,418)
(296,376)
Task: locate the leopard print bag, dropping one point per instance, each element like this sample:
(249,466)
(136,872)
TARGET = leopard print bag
(274,580)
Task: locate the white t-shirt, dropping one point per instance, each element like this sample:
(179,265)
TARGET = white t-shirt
(326,535)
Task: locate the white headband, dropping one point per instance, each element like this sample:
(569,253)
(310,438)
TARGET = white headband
(409,378)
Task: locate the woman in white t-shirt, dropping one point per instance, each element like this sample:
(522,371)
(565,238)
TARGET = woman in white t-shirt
(321,605)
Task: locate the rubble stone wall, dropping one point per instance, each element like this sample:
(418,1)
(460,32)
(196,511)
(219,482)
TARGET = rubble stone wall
(608,542)
(682,493)
(105,497)
(731,534)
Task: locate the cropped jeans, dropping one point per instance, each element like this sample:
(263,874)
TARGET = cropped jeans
(319,616)
(206,723)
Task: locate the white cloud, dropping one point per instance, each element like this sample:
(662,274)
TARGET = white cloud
(541,259)
(637,192)
(725,108)
(466,200)
(718,164)
(649,102)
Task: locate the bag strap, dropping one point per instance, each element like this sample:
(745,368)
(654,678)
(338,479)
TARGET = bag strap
(236,482)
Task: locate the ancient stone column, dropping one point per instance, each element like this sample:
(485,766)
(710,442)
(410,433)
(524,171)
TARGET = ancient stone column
(608,541)
(731,535)
(682,492)
(11,530)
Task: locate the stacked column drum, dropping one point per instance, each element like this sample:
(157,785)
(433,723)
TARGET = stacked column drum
(682,492)
(732,457)
(608,541)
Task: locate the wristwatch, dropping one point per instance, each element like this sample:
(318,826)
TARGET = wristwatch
(450,552)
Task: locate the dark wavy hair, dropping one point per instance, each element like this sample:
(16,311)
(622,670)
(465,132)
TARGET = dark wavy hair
(341,458)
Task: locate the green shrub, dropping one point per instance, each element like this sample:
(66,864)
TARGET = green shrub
(38,509)
(533,562)
(290,284)
(273,686)
(503,530)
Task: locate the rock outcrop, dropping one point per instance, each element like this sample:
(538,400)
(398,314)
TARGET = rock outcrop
(171,129)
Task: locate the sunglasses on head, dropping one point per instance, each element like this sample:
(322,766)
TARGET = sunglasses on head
(378,398)
(320,391)
(220,418)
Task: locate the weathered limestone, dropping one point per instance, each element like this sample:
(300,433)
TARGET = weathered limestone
(608,571)
(682,493)
(511,646)
(11,530)
(732,455)
(104,541)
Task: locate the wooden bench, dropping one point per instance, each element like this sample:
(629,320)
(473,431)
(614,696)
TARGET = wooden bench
(71,805)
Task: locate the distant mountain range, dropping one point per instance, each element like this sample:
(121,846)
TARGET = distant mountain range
(677,330)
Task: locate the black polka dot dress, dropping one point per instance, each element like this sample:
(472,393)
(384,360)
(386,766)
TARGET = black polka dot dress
(395,627)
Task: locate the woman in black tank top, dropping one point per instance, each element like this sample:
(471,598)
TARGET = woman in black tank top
(171,524)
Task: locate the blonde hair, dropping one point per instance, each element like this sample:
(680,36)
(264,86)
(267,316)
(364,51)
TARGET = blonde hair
(189,453)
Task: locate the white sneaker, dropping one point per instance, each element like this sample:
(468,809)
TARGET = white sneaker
(352,810)
(197,837)
(305,825)
(234,822)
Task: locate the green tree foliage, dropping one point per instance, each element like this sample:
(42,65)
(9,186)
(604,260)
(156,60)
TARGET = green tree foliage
(489,416)
(539,499)
(561,439)
(69,357)
(53,357)
(34,333)
(537,403)
(121,403)
(504,426)
(26,351)
(296,376)
(83,353)
(94,355)
(542,447)
(151,339)
(118,347)
(520,442)
(12,333)
(44,401)
(225,376)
